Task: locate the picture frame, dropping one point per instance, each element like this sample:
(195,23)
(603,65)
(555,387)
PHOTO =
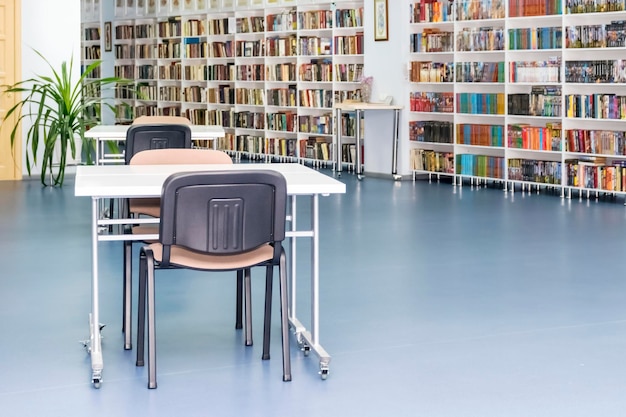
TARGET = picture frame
(381,20)
(108,42)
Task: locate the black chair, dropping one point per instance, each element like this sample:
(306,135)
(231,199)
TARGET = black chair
(218,221)
(143,137)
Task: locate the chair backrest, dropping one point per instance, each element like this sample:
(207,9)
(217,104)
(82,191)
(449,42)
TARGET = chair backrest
(178,120)
(180,156)
(156,136)
(223,212)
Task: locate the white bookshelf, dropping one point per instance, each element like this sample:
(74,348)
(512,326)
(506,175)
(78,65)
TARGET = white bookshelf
(526,69)
(272,86)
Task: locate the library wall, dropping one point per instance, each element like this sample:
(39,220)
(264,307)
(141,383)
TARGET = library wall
(42,31)
(386,61)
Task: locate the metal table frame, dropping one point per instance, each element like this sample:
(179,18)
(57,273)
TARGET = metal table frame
(130,181)
(359,109)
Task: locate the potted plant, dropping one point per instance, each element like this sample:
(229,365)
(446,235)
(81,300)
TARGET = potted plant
(60,109)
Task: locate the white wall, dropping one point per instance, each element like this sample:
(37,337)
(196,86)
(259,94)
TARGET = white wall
(51,27)
(386,62)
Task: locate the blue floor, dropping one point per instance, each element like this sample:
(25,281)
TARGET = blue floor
(435,301)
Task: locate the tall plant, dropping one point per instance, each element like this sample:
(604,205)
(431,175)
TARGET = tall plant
(60,109)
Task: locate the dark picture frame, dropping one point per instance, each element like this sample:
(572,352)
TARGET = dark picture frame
(381,20)
(108,44)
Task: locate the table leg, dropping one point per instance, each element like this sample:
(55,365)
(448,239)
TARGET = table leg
(338,150)
(394,154)
(95,346)
(358,163)
(309,339)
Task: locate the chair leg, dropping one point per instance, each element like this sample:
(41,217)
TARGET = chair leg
(141,309)
(239,307)
(152,383)
(127,301)
(247,302)
(267,321)
(284,315)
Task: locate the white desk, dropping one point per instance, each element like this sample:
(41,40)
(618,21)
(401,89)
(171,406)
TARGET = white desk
(137,181)
(104,133)
(359,108)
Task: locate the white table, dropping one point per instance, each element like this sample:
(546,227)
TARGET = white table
(116,133)
(137,181)
(359,108)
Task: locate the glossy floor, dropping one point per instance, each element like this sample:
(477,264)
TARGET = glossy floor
(435,302)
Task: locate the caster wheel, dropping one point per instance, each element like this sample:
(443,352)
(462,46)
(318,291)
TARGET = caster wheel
(306,350)
(97,383)
(324,374)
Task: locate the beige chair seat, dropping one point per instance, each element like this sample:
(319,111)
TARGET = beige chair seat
(180,256)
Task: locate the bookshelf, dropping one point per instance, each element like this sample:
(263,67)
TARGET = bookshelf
(519,91)
(268,71)
(91,45)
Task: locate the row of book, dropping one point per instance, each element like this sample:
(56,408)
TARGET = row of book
(321,70)
(348,45)
(594,6)
(440,102)
(480,166)
(548,71)
(281,72)
(349,18)
(479,72)
(218,26)
(316,148)
(544,101)
(283,96)
(146,72)
(193,27)
(282,121)
(91,52)
(596,174)
(282,46)
(545,172)
(518,8)
(145,92)
(605,142)
(480,9)
(544,138)
(431,161)
(170,28)
(318,98)
(434,131)
(91,34)
(314,46)
(281,22)
(536,38)
(123,51)
(611,35)
(480,39)
(169,50)
(433,72)
(315,19)
(596,106)
(250,24)
(431,40)
(479,134)
(431,11)
(480,103)
(597,71)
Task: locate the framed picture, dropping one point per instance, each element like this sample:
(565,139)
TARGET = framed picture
(107,37)
(381,18)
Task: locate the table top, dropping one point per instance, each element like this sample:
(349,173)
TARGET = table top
(367,106)
(104,181)
(118,132)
